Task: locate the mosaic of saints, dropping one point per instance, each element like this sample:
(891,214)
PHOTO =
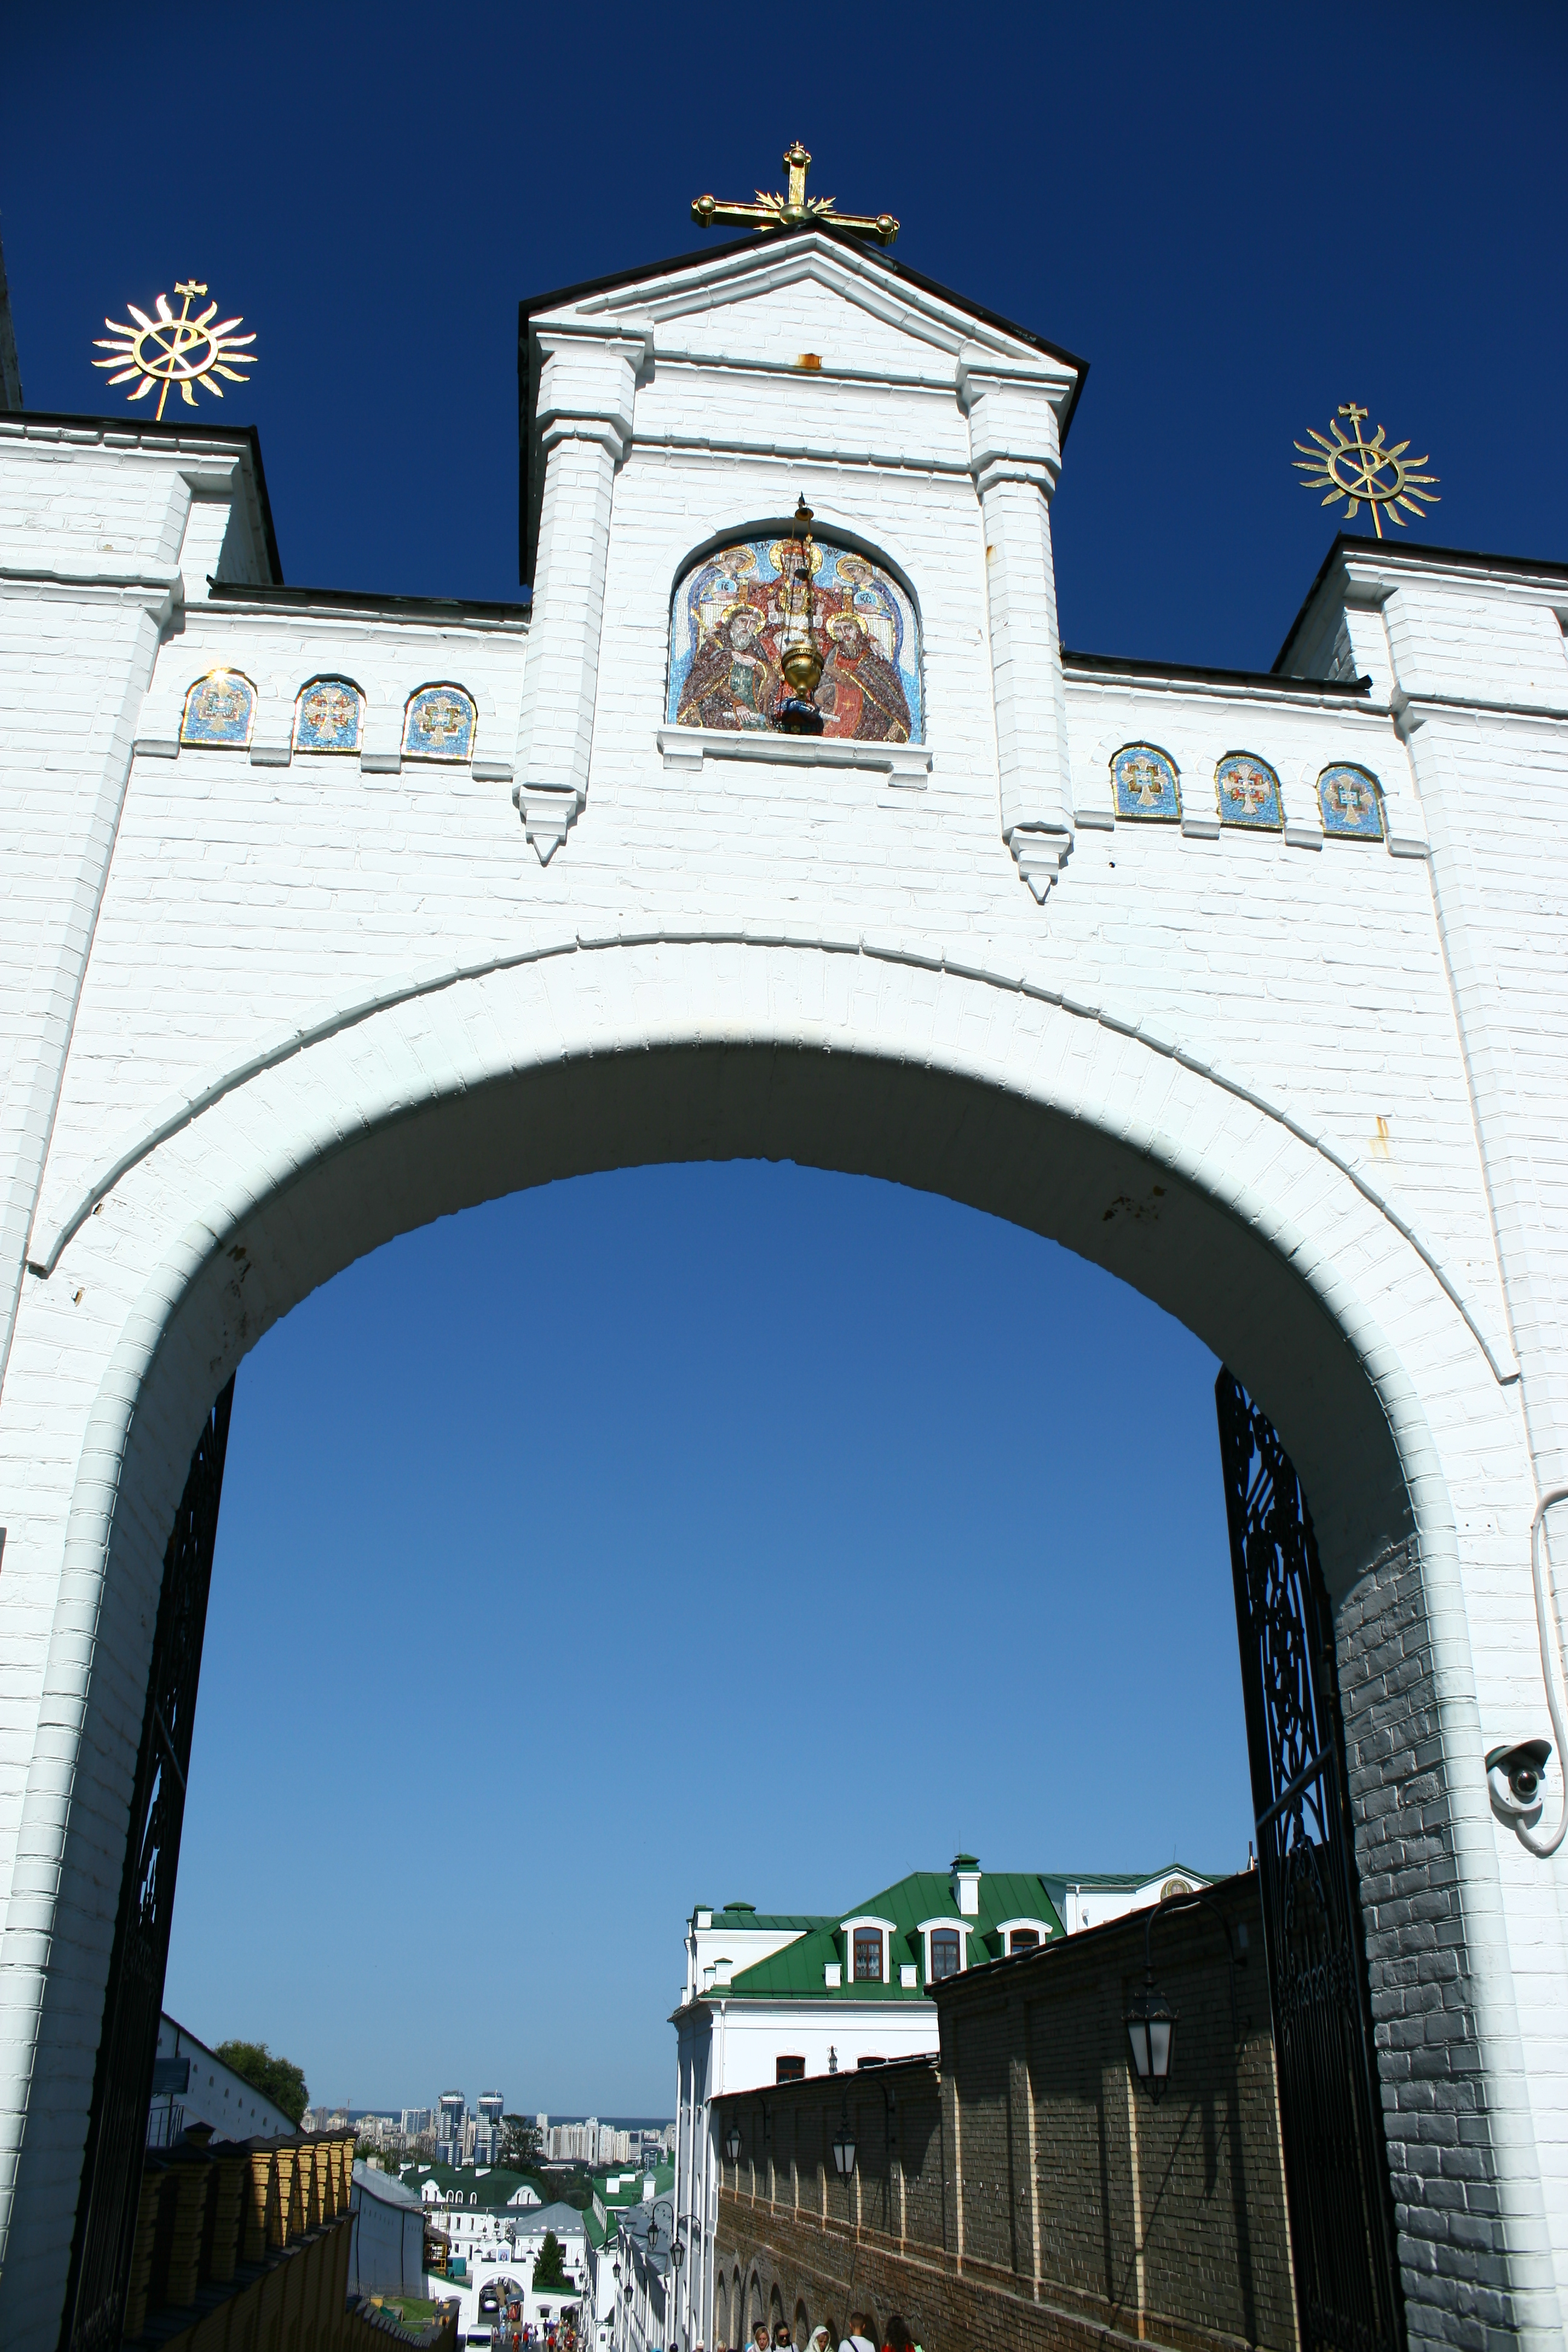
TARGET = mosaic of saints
(727,631)
(735,679)
(861,693)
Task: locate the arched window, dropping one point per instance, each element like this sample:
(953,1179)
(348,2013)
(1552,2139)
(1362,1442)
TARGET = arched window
(867,1956)
(438,724)
(726,632)
(220,709)
(1143,783)
(1351,800)
(1248,792)
(1023,1940)
(943,1953)
(329,715)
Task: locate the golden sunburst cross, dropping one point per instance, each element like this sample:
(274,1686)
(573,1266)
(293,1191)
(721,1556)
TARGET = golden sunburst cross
(795,210)
(167,351)
(1386,478)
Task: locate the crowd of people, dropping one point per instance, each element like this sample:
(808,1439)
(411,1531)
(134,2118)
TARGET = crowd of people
(513,2333)
(862,2338)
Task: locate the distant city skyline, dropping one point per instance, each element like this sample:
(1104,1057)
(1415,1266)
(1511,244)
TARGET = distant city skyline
(619,2123)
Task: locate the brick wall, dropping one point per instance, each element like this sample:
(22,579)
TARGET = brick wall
(1018,2191)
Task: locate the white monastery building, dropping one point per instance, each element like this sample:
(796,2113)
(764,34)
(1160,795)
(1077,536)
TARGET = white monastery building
(325,914)
(771,1999)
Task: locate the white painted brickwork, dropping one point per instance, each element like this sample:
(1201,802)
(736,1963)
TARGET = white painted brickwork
(262,1011)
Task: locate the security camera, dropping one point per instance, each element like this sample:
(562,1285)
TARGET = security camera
(1515,1777)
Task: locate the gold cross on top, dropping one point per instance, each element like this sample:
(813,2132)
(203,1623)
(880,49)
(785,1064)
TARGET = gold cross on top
(795,210)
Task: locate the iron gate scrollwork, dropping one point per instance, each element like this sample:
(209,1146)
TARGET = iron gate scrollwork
(128,2039)
(1336,2159)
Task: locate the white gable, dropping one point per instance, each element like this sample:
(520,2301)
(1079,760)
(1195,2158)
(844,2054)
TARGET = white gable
(779,299)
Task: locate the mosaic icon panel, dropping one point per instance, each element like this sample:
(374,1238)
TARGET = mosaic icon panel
(1351,800)
(1143,783)
(440,724)
(1248,792)
(329,715)
(726,636)
(220,709)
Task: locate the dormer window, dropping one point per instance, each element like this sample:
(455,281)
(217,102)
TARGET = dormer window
(864,1948)
(944,1953)
(1021,1935)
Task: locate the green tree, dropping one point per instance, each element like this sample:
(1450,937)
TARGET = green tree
(278,2079)
(550,2270)
(519,2143)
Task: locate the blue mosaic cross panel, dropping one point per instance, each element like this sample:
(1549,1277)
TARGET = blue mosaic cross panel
(730,617)
(1351,802)
(219,709)
(1248,792)
(440,724)
(1143,783)
(329,715)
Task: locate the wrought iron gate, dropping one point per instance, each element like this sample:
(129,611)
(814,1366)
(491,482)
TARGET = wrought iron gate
(1336,2159)
(127,2039)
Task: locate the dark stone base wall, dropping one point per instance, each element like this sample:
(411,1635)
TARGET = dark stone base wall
(773,2264)
(1022,2192)
(1428,2055)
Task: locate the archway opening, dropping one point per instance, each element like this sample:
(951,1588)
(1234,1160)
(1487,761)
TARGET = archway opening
(1138,1211)
(898,1532)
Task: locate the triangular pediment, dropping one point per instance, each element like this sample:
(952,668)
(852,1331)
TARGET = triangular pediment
(804,297)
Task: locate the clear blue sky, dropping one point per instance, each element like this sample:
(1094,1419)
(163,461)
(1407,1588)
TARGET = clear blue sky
(651,1539)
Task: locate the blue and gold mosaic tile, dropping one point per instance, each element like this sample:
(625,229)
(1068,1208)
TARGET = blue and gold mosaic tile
(1248,792)
(220,708)
(1143,783)
(438,724)
(329,715)
(1351,802)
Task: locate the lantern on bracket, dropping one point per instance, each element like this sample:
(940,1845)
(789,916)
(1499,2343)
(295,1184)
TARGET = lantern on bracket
(1151,2024)
(732,2144)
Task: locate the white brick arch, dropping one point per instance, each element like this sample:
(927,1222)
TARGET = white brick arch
(259,1014)
(604,1056)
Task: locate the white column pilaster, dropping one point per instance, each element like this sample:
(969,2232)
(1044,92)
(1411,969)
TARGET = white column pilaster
(1014,456)
(585,398)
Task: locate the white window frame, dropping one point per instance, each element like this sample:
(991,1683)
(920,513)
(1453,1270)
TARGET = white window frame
(1006,1927)
(950,1920)
(887,1930)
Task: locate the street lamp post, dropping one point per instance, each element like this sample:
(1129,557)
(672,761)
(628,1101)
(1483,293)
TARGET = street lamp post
(1150,2019)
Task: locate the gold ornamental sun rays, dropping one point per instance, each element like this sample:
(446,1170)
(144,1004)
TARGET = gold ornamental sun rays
(1351,468)
(169,350)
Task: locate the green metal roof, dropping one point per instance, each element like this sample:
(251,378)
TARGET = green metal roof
(632,2176)
(623,2200)
(797,1972)
(1122,1882)
(492,2187)
(796,1923)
